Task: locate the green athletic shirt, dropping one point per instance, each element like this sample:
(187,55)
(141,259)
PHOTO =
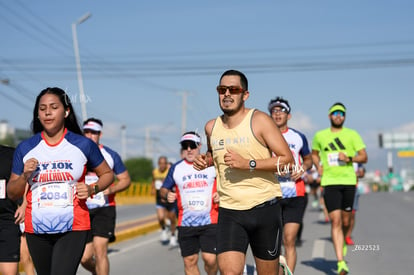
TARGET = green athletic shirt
(329,144)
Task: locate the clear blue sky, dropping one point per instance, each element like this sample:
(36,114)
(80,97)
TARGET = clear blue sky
(139,59)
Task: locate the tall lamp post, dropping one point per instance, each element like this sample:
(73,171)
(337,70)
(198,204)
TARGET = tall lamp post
(123,141)
(82,97)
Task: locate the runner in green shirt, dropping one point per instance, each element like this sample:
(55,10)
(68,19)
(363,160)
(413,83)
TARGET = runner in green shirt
(333,151)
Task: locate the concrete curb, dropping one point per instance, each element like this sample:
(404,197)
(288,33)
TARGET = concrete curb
(131,229)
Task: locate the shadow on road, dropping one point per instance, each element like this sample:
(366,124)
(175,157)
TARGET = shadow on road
(111,250)
(327,267)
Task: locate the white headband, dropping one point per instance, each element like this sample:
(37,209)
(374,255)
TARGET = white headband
(190,137)
(92,125)
(279,104)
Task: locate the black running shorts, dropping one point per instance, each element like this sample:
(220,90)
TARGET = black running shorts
(192,239)
(102,222)
(261,227)
(339,197)
(9,242)
(293,209)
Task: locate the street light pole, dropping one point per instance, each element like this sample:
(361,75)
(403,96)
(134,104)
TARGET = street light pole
(82,97)
(123,141)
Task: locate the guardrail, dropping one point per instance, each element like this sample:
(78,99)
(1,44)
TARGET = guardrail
(137,193)
(136,189)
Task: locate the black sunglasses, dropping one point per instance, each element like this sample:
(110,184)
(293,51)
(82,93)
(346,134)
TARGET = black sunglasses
(186,144)
(88,131)
(232,89)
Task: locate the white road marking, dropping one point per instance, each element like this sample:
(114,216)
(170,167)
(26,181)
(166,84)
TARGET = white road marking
(407,198)
(321,216)
(318,251)
(128,248)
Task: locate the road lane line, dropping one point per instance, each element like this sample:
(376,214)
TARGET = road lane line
(321,216)
(318,251)
(128,248)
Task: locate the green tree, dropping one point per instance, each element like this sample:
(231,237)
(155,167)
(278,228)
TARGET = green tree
(140,169)
(8,140)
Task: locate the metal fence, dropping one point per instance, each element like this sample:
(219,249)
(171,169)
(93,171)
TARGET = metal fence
(136,189)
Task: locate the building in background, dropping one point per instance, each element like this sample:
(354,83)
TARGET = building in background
(12,136)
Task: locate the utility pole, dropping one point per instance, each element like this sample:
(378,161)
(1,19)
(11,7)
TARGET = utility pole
(184,112)
(123,142)
(148,143)
(82,96)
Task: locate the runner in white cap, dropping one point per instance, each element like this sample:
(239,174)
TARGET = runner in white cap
(102,207)
(197,199)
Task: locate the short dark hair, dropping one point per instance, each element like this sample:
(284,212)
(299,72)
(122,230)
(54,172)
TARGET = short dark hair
(243,79)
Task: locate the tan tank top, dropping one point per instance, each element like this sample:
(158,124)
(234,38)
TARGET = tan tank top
(241,189)
(159,177)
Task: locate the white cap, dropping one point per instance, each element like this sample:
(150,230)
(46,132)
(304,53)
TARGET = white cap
(92,125)
(190,137)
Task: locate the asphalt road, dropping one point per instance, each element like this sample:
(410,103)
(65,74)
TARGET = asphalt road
(383,241)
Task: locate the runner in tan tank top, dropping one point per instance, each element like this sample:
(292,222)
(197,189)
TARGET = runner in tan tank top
(240,143)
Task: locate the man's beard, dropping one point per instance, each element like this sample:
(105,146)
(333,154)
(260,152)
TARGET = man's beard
(337,126)
(230,112)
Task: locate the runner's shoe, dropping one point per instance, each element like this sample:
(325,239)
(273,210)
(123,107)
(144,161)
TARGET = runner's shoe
(344,249)
(349,241)
(164,235)
(342,268)
(283,264)
(173,241)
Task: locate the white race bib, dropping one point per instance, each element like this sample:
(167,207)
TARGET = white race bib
(158,184)
(99,198)
(197,202)
(2,189)
(53,195)
(333,159)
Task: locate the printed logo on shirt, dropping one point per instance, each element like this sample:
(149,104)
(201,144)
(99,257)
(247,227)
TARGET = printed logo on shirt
(57,171)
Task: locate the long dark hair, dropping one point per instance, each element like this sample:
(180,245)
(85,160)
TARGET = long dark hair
(71,123)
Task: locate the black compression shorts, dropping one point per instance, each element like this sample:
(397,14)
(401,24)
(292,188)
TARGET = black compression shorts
(261,227)
(57,253)
(339,197)
(9,242)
